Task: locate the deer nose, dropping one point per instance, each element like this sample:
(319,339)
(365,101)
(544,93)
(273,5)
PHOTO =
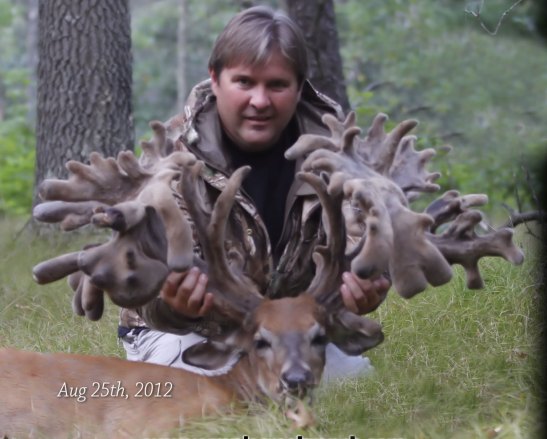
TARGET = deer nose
(296,378)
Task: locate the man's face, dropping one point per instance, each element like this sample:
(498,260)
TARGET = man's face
(255,103)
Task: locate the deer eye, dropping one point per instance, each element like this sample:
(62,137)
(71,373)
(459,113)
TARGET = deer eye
(319,340)
(261,343)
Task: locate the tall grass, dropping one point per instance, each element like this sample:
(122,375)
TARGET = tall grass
(455,363)
(38,317)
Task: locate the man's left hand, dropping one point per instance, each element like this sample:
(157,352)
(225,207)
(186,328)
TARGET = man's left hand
(362,296)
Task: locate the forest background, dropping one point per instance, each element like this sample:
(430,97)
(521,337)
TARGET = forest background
(478,83)
(455,363)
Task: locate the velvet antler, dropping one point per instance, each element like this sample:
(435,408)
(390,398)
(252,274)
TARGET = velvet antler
(381,173)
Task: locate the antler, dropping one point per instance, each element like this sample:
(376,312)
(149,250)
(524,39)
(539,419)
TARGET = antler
(235,293)
(355,333)
(150,237)
(395,239)
(450,205)
(394,155)
(130,267)
(380,174)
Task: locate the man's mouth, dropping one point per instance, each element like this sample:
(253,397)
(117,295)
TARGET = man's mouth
(258,118)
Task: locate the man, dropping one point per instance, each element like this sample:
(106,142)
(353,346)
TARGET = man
(254,107)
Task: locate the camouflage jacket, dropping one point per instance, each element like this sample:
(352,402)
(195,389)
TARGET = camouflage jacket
(197,129)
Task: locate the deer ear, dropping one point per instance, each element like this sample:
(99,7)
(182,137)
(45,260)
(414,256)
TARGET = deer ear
(353,334)
(210,355)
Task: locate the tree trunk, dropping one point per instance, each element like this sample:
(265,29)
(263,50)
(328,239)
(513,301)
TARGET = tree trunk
(84,82)
(318,22)
(182,88)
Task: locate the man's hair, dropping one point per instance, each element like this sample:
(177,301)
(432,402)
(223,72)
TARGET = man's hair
(251,37)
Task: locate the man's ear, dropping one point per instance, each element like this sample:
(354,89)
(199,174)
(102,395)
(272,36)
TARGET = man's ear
(300,88)
(214,80)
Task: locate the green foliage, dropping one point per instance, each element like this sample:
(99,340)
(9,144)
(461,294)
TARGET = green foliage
(17,156)
(17,141)
(433,61)
(427,60)
(154,38)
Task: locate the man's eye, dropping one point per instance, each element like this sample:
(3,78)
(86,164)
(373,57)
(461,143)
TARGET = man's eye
(279,85)
(244,82)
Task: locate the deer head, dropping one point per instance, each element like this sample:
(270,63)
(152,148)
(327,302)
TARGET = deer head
(283,340)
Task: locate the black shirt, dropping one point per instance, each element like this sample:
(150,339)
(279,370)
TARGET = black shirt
(270,178)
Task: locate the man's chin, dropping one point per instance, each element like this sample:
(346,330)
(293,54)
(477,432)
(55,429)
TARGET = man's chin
(257,144)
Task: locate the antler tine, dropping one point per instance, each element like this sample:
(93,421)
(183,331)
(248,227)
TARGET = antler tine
(55,268)
(162,141)
(338,128)
(88,300)
(408,167)
(102,180)
(373,255)
(450,205)
(359,333)
(160,146)
(71,215)
(308,143)
(460,244)
(234,293)
(329,259)
(378,147)
(415,261)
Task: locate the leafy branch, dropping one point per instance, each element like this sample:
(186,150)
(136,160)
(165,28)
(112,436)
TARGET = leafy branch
(477,15)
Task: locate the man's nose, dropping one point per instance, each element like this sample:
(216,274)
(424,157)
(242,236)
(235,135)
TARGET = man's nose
(260,98)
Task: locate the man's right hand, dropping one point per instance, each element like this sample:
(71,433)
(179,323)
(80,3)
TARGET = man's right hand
(186,293)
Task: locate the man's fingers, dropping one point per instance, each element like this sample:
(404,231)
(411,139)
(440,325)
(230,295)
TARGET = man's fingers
(357,286)
(189,282)
(186,293)
(195,300)
(382,285)
(363,295)
(171,285)
(348,299)
(208,302)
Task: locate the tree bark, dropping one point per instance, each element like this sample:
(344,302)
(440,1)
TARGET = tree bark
(84,82)
(182,88)
(318,22)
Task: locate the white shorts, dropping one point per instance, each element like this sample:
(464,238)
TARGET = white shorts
(164,348)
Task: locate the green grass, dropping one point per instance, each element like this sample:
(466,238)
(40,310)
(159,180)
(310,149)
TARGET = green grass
(455,363)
